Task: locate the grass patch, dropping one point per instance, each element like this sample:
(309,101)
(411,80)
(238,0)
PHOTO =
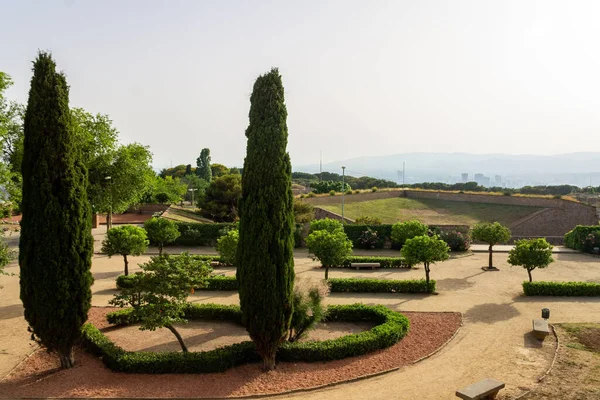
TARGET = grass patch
(431,211)
(587,336)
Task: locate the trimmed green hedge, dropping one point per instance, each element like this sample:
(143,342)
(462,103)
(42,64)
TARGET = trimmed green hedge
(215,282)
(391,327)
(381,285)
(561,288)
(576,238)
(384,262)
(198,234)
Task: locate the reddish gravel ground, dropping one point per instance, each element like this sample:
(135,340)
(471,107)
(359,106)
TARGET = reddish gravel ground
(38,376)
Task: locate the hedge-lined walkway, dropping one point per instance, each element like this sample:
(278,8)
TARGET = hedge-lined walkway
(493,342)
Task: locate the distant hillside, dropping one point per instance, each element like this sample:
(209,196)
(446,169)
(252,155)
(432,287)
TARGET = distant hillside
(515,170)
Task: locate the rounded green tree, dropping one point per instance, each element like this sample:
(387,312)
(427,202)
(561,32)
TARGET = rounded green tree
(126,240)
(402,231)
(56,244)
(227,246)
(331,249)
(327,224)
(426,250)
(491,233)
(531,254)
(265,254)
(161,232)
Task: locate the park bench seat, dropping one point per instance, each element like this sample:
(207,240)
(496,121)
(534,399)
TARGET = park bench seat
(485,389)
(540,328)
(215,263)
(364,265)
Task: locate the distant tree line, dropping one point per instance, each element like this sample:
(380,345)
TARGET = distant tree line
(363,182)
(553,190)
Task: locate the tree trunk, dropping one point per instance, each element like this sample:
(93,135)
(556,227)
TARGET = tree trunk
(326,272)
(67,359)
(269,361)
(126,264)
(529,273)
(160,250)
(178,336)
(426,272)
(490,261)
(108,220)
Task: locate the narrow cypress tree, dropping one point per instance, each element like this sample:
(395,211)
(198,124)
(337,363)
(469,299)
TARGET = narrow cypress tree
(265,256)
(56,245)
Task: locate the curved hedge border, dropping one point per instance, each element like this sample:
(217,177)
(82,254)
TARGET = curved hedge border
(561,289)
(391,327)
(357,285)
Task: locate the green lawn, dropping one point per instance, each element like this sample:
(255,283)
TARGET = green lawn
(432,212)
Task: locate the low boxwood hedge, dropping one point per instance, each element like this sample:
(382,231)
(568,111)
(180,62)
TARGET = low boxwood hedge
(384,262)
(561,288)
(199,234)
(357,285)
(391,327)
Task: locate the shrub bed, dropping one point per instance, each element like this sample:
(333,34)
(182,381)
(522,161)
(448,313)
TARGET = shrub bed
(384,262)
(381,285)
(198,234)
(583,238)
(354,232)
(391,327)
(561,289)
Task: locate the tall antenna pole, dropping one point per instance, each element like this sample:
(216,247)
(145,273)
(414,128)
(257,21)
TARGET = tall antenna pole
(321,167)
(403,172)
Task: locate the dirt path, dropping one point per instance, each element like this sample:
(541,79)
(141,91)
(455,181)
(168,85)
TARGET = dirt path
(493,342)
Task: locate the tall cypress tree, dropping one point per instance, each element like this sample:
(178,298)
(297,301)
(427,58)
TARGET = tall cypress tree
(265,256)
(56,245)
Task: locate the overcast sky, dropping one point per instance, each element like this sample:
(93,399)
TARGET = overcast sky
(361,77)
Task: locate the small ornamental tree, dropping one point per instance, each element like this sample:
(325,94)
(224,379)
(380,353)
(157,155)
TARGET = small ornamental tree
(327,224)
(158,294)
(227,246)
(426,250)
(491,233)
(402,231)
(126,240)
(161,232)
(531,254)
(331,249)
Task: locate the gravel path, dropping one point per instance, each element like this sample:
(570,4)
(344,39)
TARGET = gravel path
(38,377)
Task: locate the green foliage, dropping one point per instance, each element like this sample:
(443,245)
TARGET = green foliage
(56,245)
(199,234)
(203,169)
(369,239)
(309,309)
(332,192)
(583,238)
(125,240)
(219,282)
(221,198)
(219,170)
(227,247)
(6,254)
(326,224)
(491,233)
(166,190)
(365,285)
(561,288)
(311,195)
(366,220)
(426,250)
(384,262)
(265,257)
(354,232)
(374,189)
(329,248)
(457,241)
(402,231)
(179,171)
(159,293)
(390,328)
(329,186)
(194,182)
(531,254)
(303,212)
(161,232)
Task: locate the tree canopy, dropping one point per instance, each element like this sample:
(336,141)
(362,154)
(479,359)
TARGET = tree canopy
(220,200)
(330,248)
(426,250)
(531,254)
(491,233)
(125,240)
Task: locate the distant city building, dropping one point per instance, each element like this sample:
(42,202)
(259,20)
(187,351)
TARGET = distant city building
(497,180)
(465,178)
(479,179)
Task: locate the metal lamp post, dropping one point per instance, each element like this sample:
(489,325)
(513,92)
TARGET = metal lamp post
(109,216)
(343,192)
(192,190)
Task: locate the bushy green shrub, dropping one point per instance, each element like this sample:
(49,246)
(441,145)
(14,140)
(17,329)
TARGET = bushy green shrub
(303,212)
(227,246)
(311,195)
(374,189)
(368,239)
(391,327)
(402,231)
(356,191)
(348,192)
(332,192)
(219,282)
(583,238)
(354,231)
(161,232)
(326,224)
(198,234)
(531,254)
(330,248)
(381,285)
(366,220)
(561,288)
(298,236)
(457,241)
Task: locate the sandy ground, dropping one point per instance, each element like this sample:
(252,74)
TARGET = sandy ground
(493,342)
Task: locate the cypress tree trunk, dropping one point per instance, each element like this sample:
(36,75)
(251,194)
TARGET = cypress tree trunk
(265,262)
(56,244)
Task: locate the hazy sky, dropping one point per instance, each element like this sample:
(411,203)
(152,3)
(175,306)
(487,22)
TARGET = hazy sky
(361,77)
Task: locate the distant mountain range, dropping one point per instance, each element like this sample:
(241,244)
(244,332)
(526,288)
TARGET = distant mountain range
(581,169)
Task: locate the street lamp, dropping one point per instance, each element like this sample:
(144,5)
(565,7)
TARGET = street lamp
(192,190)
(343,192)
(109,216)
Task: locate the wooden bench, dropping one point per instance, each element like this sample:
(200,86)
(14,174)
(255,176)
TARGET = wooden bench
(540,328)
(364,265)
(482,390)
